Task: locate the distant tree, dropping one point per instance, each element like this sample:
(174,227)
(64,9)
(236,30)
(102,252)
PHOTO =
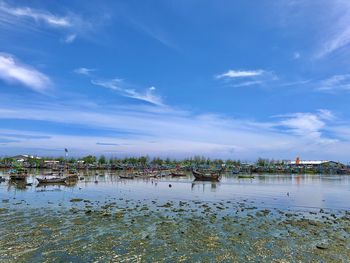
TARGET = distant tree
(262,162)
(143,160)
(102,159)
(89,159)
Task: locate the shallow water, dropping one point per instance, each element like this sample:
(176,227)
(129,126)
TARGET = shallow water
(281,218)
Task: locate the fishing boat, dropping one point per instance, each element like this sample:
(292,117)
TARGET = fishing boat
(126,177)
(54,180)
(177,174)
(18,174)
(72,177)
(18,177)
(206,176)
(244,176)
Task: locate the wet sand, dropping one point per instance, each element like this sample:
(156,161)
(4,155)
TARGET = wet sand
(123,230)
(148,221)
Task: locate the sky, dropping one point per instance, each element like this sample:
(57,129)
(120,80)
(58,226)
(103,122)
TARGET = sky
(222,79)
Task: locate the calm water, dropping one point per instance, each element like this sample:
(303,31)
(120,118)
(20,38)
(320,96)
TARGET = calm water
(282,191)
(271,218)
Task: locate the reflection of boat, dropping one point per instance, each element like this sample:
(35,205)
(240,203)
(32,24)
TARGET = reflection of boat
(205,185)
(210,176)
(54,180)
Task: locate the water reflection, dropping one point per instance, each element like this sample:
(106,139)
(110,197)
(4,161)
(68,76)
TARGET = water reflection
(204,186)
(268,190)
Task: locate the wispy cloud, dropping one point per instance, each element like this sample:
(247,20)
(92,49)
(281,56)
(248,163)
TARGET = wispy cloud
(245,78)
(308,125)
(107,144)
(36,15)
(247,83)
(335,83)
(179,134)
(12,71)
(337,31)
(70,24)
(84,71)
(70,38)
(118,85)
(240,74)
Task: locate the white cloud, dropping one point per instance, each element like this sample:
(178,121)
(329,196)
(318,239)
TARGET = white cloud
(36,15)
(240,74)
(84,71)
(70,38)
(309,125)
(178,134)
(335,83)
(247,83)
(118,85)
(13,71)
(337,30)
(246,78)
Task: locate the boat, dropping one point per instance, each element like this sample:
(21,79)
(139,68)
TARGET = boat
(18,174)
(18,177)
(202,176)
(177,174)
(242,176)
(72,177)
(54,180)
(126,177)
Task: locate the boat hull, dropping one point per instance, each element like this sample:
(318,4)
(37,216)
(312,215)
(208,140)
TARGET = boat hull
(51,180)
(206,177)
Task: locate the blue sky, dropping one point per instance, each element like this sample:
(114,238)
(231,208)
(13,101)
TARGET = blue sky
(228,79)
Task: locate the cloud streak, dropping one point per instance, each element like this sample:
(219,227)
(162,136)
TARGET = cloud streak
(84,71)
(37,15)
(335,83)
(14,72)
(240,74)
(246,78)
(179,134)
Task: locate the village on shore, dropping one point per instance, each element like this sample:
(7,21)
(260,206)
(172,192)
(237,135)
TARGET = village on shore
(91,162)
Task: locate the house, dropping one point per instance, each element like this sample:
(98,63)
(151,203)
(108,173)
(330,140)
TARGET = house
(319,166)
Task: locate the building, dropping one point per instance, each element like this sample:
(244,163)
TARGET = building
(320,166)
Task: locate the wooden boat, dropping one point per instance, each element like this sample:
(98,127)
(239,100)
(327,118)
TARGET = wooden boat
(126,177)
(18,177)
(72,177)
(246,176)
(177,174)
(55,180)
(211,176)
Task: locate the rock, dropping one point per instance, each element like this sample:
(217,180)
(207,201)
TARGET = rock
(321,246)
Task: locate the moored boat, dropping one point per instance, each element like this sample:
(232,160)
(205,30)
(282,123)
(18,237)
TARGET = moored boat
(55,180)
(244,176)
(126,177)
(177,174)
(18,177)
(206,176)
